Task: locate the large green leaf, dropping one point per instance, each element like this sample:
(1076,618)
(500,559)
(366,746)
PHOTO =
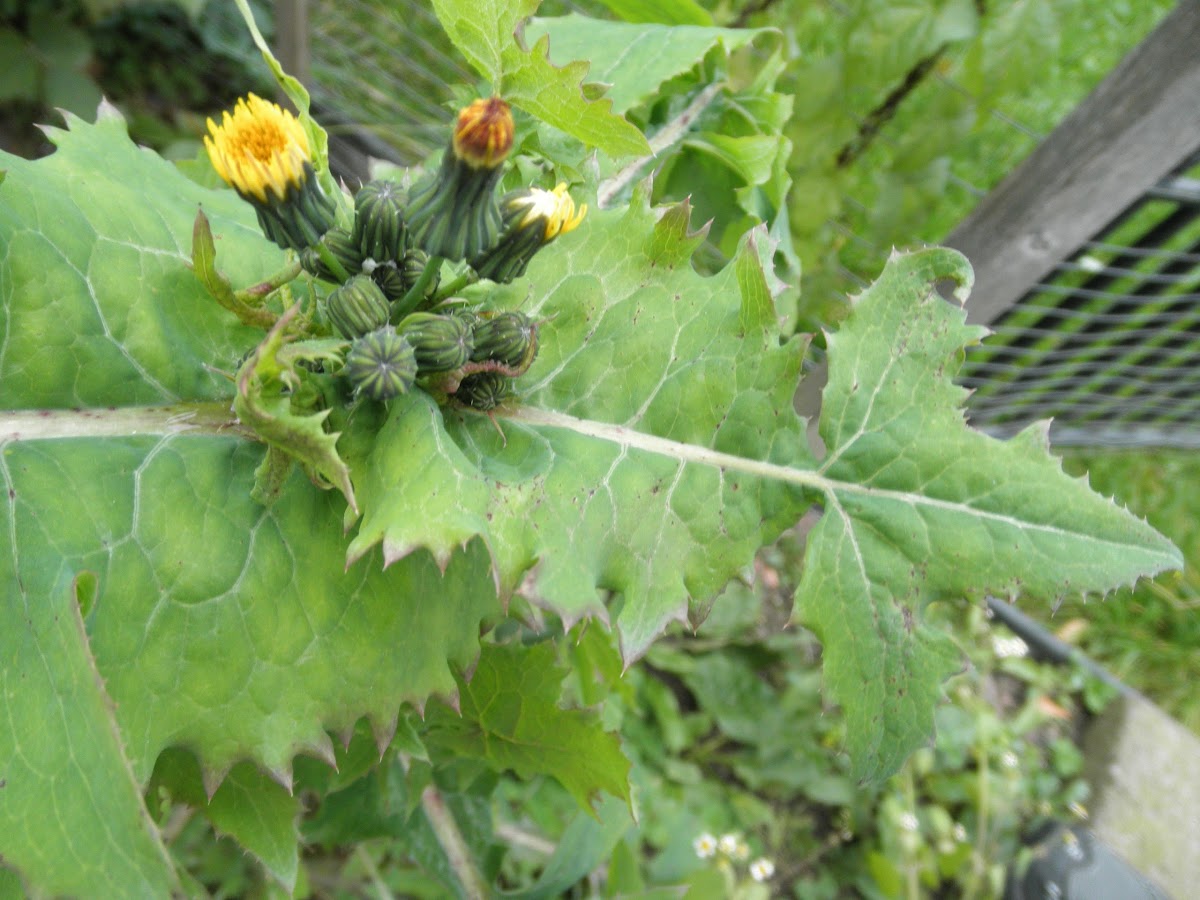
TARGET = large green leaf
(99,307)
(666,12)
(918,506)
(483,33)
(509,717)
(71,814)
(634,59)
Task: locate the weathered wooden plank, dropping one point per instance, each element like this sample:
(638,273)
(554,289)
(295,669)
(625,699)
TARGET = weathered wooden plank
(1139,124)
(291,37)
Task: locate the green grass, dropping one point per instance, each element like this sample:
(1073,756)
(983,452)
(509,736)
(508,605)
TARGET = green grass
(1149,636)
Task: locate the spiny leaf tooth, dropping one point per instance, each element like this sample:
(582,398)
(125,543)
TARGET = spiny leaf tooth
(493,563)
(394,551)
(352,558)
(383,732)
(442,557)
(106,111)
(631,654)
(281,775)
(321,748)
(213,778)
(345,736)
(453,700)
(571,618)
(468,671)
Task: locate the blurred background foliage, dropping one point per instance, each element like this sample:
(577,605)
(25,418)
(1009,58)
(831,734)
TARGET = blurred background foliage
(856,125)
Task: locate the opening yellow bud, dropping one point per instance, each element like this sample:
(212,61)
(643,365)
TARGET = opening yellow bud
(555,208)
(483,136)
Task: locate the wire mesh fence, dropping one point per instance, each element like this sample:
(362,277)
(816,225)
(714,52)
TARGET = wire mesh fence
(1109,344)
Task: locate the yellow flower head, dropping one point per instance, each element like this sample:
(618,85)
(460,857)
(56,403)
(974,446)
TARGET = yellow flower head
(484,134)
(555,207)
(260,147)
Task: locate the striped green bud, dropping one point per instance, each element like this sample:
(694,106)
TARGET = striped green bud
(342,245)
(379,224)
(453,214)
(509,338)
(441,343)
(357,307)
(414,266)
(390,280)
(381,364)
(484,391)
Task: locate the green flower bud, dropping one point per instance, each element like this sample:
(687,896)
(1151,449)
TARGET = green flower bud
(509,338)
(532,219)
(454,214)
(390,279)
(357,307)
(413,267)
(484,391)
(441,343)
(381,364)
(342,245)
(379,221)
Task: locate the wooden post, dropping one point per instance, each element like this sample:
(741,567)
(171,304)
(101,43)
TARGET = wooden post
(291,37)
(1134,129)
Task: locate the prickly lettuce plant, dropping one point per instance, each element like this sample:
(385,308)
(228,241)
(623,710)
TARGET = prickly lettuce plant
(231,585)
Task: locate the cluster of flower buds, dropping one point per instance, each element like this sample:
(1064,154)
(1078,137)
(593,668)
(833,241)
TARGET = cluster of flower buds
(473,356)
(386,266)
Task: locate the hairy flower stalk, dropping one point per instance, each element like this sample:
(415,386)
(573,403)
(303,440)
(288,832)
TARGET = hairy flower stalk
(533,217)
(454,214)
(262,152)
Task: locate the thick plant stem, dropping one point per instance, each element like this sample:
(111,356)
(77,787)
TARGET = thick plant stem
(912,886)
(462,281)
(415,294)
(452,843)
(670,133)
(332,262)
(978,857)
(255,293)
(381,889)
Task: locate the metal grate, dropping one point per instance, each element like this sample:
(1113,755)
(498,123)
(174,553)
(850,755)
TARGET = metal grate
(1108,345)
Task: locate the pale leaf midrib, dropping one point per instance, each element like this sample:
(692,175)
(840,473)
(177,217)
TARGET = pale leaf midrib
(216,418)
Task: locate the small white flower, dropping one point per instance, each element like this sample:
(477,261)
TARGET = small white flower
(728,844)
(762,869)
(908,821)
(1007,647)
(1009,760)
(960,832)
(742,851)
(705,845)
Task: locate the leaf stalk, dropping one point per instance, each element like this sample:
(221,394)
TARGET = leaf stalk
(453,843)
